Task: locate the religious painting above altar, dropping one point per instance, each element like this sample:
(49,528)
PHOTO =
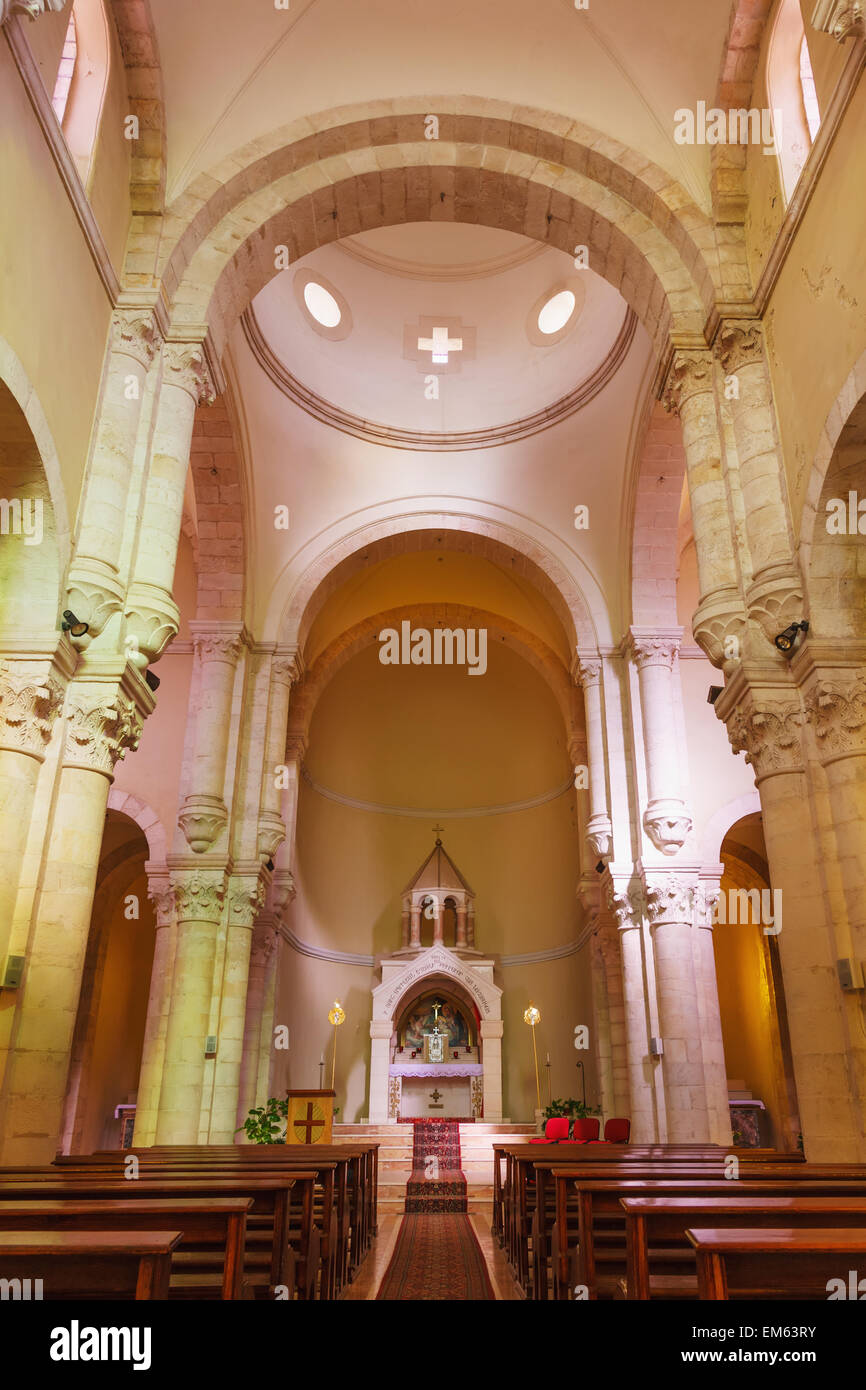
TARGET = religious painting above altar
(421,1018)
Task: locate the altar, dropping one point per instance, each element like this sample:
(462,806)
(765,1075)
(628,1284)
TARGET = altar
(445,1090)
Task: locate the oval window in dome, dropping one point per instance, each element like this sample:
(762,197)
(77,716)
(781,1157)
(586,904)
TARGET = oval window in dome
(556,312)
(322,304)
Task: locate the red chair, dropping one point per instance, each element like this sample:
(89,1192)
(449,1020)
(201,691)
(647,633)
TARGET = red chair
(615,1132)
(585,1132)
(555,1131)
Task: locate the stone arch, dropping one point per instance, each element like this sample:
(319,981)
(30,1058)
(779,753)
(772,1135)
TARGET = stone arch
(306,694)
(654,556)
(136,34)
(565,186)
(581,608)
(30,478)
(836,585)
(218,528)
(145,818)
(721,821)
(437,962)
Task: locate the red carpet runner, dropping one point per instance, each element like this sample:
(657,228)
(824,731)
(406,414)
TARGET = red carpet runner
(437,1183)
(436,1257)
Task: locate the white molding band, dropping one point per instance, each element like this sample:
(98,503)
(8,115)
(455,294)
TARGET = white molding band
(304,948)
(467,813)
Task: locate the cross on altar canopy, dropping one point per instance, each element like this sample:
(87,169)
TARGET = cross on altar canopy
(440,345)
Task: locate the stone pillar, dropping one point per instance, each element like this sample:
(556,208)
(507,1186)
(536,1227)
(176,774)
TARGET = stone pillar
(461,926)
(721,614)
(151,612)
(415,926)
(246,898)
(608,946)
(627,904)
(31,694)
(670,899)
(439,925)
(587,671)
(31,8)
(103,719)
(286,668)
(161,895)
(601,1027)
(666,819)
(709,1010)
(380,1068)
(491,1055)
(203,815)
(470,925)
(765,719)
(775,595)
(199,910)
(261,955)
(404,924)
(95,590)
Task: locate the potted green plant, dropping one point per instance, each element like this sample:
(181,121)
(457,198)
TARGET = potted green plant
(264,1122)
(574,1109)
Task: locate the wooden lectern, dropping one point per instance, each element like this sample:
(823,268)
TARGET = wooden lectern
(310,1117)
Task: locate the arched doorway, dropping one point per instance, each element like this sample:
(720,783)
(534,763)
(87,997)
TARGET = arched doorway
(112,1008)
(751,994)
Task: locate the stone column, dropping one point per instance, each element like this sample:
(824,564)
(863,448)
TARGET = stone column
(30,698)
(670,899)
(151,612)
(203,815)
(721,615)
(709,1011)
(380,1067)
(246,898)
(161,894)
(610,958)
(666,819)
(95,590)
(775,595)
(461,926)
(491,1054)
(439,924)
(470,925)
(261,955)
(587,672)
(286,669)
(199,899)
(404,924)
(415,926)
(627,904)
(765,719)
(601,1027)
(103,720)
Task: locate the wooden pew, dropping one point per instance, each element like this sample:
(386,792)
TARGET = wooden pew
(781,1262)
(91,1264)
(657,1220)
(270,1193)
(218,1223)
(597,1202)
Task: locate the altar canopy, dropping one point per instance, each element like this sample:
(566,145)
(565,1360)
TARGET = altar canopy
(436,1032)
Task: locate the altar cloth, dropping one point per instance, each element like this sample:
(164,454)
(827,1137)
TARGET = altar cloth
(433,1069)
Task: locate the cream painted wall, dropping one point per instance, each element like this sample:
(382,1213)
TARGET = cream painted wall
(434,738)
(108,184)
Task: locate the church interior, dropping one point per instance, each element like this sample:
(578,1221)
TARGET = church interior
(432,720)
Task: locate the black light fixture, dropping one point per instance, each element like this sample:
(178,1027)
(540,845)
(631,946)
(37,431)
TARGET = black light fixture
(786,640)
(71,625)
(713,693)
(599,868)
(152,680)
(270,865)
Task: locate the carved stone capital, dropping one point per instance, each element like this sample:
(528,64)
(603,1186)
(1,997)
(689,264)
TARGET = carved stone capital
(841,18)
(94,594)
(670,900)
(31,8)
(649,650)
(720,626)
(296,747)
(775,600)
(668,824)
(599,835)
(628,906)
(199,896)
(770,735)
(211,646)
(740,344)
(690,374)
(271,833)
(99,732)
(161,894)
(28,708)
(134,332)
(152,621)
(586,670)
(185,366)
(706,899)
(201,819)
(246,900)
(288,666)
(836,710)
(282,891)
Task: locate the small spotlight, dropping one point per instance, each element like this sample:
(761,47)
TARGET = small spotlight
(713,693)
(71,625)
(152,680)
(599,868)
(786,640)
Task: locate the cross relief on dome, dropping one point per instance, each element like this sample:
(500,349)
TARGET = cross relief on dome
(439,344)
